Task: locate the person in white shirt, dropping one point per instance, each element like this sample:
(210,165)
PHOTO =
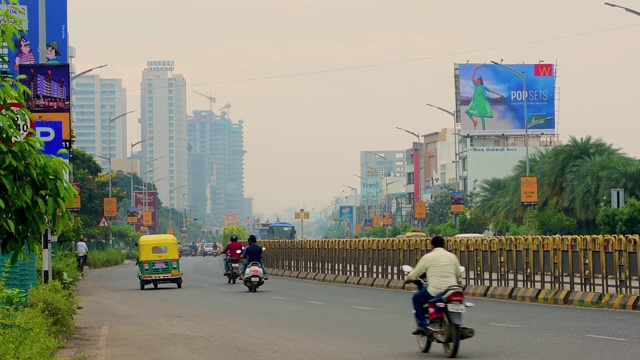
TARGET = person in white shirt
(81,251)
(442,269)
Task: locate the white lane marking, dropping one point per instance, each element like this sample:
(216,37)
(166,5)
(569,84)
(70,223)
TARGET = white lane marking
(190,283)
(102,343)
(205,285)
(606,337)
(362,308)
(506,325)
(278,297)
(316,303)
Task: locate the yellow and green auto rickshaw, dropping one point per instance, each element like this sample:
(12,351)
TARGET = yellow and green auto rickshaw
(159,260)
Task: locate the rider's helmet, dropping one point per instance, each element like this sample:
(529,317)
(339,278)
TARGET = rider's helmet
(234,237)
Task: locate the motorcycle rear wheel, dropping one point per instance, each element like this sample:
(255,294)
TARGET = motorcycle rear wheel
(424,343)
(451,347)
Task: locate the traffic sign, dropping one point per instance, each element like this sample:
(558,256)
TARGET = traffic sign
(104,222)
(110,207)
(24,123)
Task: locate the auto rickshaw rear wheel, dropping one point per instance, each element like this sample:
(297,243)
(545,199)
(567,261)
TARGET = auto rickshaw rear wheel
(179,285)
(141,285)
(155,285)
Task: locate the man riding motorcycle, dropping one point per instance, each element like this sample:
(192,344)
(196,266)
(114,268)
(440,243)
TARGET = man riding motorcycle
(232,248)
(442,269)
(252,253)
(193,247)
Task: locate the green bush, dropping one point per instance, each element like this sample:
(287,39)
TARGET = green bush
(26,334)
(64,266)
(103,258)
(57,305)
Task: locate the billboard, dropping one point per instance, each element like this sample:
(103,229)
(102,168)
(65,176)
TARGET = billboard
(50,97)
(528,190)
(457,202)
(230,219)
(147,202)
(348,217)
(491,100)
(370,191)
(27,44)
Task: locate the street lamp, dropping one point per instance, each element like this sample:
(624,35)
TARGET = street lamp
(170,205)
(86,72)
(354,189)
(455,139)
(131,164)
(624,8)
(386,172)
(523,76)
(109,145)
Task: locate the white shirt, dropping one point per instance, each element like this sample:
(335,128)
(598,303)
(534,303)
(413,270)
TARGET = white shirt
(81,248)
(442,268)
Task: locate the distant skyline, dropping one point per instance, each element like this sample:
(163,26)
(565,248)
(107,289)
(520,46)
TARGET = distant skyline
(316,82)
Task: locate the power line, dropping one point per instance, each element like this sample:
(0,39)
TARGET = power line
(428,58)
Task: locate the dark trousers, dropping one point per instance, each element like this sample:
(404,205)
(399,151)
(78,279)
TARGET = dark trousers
(420,298)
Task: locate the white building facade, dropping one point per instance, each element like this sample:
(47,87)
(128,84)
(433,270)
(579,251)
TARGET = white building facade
(163,107)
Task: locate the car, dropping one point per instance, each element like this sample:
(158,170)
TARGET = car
(208,249)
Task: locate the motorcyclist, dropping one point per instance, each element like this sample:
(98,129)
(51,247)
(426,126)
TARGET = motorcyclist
(232,249)
(215,247)
(202,248)
(252,253)
(194,247)
(442,269)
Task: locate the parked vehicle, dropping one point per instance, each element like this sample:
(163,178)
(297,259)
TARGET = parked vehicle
(445,318)
(158,260)
(207,250)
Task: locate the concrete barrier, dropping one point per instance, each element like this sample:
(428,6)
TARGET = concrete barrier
(366,281)
(319,277)
(381,283)
(577,297)
(353,280)
(561,297)
(502,293)
(329,278)
(286,273)
(294,274)
(302,275)
(477,290)
(626,302)
(311,276)
(546,296)
(397,284)
(525,294)
(341,279)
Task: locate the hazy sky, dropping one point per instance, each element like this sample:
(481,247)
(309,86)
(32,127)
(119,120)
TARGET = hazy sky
(303,133)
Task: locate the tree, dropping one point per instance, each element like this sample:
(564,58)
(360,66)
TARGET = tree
(551,222)
(33,188)
(234,230)
(473,223)
(439,209)
(625,220)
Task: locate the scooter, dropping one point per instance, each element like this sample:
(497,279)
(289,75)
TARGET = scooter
(253,276)
(193,253)
(445,318)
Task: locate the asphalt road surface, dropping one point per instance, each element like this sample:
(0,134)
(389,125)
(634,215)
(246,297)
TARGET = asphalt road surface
(297,319)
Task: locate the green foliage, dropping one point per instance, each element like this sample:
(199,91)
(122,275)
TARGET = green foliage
(447,229)
(104,258)
(473,223)
(381,232)
(231,230)
(625,220)
(57,305)
(10,298)
(439,209)
(25,334)
(551,222)
(65,269)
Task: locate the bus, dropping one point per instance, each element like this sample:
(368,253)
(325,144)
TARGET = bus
(280,230)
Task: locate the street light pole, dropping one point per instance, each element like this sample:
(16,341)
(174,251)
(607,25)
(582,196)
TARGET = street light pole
(386,181)
(131,163)
(417,178)
(526,115)
(170,206)
(624,8)
(455,140)
(109,144)
(86,72)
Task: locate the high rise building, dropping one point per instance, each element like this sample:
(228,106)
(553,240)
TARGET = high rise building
(216,164)
(95,101)
(163,107)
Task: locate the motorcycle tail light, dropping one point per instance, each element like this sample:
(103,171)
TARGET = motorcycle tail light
(456,296)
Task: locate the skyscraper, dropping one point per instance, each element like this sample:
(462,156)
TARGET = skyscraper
(216,164)
(164,126)
(94,101)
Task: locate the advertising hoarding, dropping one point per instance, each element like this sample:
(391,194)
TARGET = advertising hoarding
(421,210)
(50,98)
(27,44)
(528,190)
(230,219)
(491,99)
(457,202)
(147,202)
(348,217)
(370,190)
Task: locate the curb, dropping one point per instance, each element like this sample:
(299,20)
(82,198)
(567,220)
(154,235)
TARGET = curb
(302,275)
(592,298)
(366,281)
(502,293)
(526,294)
(396,284)
(329,278)
(341,279)
(477,290)
(381,283)
(353,280)
(625,302)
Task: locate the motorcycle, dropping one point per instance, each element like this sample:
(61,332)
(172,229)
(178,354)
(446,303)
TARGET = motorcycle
(215,253)
(234,274)
(445,318)
(193,253)
(253,276)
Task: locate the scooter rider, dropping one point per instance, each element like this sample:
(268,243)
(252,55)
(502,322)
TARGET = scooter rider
(252,253)
(193,247)
(442,269)
(232,248)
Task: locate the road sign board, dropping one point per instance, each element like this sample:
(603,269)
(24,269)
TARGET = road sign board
(110,207)
(104,222)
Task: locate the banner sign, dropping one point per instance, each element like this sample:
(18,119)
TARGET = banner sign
(348,217)
(528,190)
(457,202)
(370,191)
(147,202)
(492,99)
(231,219)
(421,210)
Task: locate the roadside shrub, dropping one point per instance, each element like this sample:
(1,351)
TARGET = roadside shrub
(57,305)
(104,258)
(65,269)
(25,334)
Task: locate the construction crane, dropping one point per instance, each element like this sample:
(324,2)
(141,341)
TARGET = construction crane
(209,97)
(226,107)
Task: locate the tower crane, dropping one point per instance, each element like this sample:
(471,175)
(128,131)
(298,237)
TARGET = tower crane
(209,97)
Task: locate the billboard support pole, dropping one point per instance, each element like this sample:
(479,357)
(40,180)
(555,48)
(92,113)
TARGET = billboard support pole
(42,28)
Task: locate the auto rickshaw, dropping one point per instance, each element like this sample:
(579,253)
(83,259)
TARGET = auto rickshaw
(159,260)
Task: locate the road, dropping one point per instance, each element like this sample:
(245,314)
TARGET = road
(297,319)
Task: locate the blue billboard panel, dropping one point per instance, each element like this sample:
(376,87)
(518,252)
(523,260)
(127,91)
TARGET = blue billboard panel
(495,99)
(370,191)
(27,46)
(348,217)
(50,132)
